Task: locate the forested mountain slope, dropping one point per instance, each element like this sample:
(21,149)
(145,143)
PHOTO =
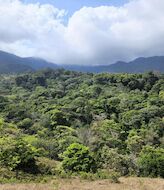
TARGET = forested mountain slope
(82,123)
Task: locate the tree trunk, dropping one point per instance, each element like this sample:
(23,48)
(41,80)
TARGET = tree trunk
(17,174)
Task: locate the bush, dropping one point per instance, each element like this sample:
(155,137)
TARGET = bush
(78,158)
(151,162)
(47,166)
(5,173)
(110,159)
(17,154)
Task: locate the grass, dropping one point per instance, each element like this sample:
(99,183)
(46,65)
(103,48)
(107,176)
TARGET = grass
(131,183)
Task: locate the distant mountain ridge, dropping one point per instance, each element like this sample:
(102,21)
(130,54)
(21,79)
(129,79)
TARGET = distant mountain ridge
(138,65)
(10,63)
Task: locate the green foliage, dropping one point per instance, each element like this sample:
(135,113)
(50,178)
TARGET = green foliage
(58,112)
(134,142)
(25,123)
(16,154)
(107,133)
(78,158)
(47,166)
(151,161)
(109,158)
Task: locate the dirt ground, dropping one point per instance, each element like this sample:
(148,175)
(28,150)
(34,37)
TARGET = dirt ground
(77,184)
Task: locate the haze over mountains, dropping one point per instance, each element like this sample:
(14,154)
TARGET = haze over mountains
(10,63)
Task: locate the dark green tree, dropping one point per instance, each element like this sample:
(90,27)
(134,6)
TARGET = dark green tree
(151,162)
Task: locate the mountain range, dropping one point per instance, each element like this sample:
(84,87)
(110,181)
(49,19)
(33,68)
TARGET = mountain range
(10,63)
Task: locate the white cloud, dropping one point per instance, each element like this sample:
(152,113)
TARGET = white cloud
(99,35)
(30,29)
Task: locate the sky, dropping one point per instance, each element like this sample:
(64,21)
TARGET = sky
(73,5)
(82,32)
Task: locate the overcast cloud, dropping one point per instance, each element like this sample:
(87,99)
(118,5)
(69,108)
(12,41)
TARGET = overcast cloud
(99,35)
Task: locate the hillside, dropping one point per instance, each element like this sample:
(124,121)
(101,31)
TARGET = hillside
(97,126)
(139,65)
(10,63)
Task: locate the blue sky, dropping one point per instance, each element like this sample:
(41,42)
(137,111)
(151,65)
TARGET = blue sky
(73,5)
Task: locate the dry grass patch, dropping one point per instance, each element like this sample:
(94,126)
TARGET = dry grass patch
(77,184)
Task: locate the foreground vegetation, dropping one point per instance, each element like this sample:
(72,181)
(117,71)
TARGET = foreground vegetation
(63,123)
(74,184)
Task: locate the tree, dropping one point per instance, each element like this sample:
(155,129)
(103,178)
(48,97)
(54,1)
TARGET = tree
(25,124)
(57,117)
(110,159)
(151,162)
(134,142)
(78,158)
(107,132)
(16,154)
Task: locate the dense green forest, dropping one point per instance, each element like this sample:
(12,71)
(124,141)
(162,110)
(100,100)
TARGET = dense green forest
(55,122)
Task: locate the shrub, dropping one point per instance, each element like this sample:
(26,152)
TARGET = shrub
(78,158)
(47,166)
(151,162)
(16,154)
(109,158)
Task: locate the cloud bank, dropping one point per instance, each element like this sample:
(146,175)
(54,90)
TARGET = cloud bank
(100,35)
